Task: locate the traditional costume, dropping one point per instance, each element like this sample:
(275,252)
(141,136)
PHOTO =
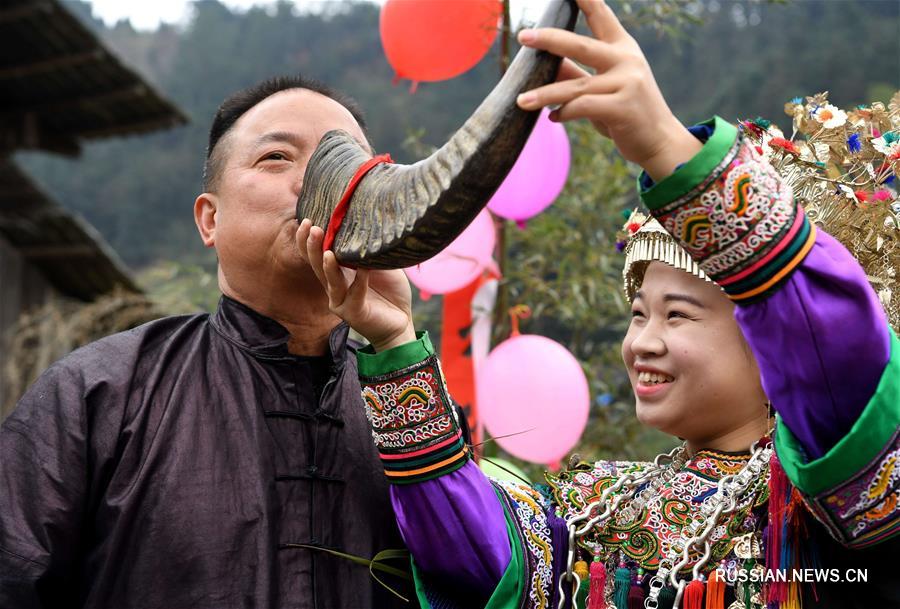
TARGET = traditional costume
(709,529)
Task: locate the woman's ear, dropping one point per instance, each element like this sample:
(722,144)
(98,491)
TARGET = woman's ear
(205,208)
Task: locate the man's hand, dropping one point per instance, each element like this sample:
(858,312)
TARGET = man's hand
(377,304)
(621,99)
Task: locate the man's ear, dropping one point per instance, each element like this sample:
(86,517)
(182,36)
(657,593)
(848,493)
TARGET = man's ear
(205,208)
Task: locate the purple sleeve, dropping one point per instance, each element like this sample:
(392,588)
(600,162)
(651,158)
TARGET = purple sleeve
(454,527)
(822,344)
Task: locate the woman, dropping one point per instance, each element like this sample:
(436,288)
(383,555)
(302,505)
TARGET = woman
(739,308)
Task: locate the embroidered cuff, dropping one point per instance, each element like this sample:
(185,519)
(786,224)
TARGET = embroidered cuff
(415,430)
(730,210)
(855,487)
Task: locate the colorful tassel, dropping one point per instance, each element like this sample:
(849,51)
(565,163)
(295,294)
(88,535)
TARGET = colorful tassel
(798,549)
(779,491)
(598,584)
(748,588)
(790,546)
(693,595)
(636,594)
(622,587)
(715,591)
(580,569)
(581,597)
(793,597)
(667,598)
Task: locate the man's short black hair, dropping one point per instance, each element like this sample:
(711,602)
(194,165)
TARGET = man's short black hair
(237,104)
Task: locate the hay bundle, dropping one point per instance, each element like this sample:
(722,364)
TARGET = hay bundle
(43,335)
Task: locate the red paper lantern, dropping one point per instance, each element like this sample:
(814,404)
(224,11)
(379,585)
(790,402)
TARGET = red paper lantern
(430,40)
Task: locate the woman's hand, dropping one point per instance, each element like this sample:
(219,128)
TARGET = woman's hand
(621,99)
(377,304)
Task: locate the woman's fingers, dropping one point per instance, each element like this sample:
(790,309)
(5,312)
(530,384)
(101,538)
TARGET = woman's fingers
(314,251)
(590,107)
(602,21)
(596,54)
(347,290)
(560,93)
(302,236)
(359,290)
(336,282)
(568,70)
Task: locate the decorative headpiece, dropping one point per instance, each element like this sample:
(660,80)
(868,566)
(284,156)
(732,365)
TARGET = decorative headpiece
(842,168)
(844,175)
(644,240)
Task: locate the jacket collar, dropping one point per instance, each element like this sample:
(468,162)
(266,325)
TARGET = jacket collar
(265,337)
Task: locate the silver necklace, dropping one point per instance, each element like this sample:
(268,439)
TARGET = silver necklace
(729,491)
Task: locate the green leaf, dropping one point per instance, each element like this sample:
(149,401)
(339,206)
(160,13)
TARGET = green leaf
(374,564)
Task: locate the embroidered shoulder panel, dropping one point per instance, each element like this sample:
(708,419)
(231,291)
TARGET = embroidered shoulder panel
(658,523)
(864,510)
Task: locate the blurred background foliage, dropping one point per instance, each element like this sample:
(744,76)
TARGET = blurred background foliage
(738,59)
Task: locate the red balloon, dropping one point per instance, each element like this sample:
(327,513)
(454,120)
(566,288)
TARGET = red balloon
(429,40)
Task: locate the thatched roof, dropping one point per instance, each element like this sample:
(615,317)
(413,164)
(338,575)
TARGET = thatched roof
(59,84)
(70,253)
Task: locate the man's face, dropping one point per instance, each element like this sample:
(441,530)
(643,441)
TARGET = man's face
(265,158)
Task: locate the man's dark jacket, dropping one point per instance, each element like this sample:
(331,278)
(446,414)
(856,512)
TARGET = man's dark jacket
(180,465)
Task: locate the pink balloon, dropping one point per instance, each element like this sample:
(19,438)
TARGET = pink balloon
(533,388)
(461,262)
(539,174)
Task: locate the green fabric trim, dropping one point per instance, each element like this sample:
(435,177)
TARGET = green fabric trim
(691,174)
(392,360)
(868,437)
(509,591)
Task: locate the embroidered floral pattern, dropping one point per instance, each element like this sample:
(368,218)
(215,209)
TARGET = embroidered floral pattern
(649,534)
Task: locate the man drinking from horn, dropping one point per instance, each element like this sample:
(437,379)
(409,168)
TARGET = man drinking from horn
(225,460)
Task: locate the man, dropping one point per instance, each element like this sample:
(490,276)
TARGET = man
(209,461)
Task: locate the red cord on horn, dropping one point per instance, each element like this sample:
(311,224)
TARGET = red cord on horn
(337,216)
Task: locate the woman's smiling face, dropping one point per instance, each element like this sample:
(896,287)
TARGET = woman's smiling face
(691,370)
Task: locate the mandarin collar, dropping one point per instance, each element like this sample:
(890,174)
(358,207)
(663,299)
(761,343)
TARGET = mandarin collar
(263,336)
